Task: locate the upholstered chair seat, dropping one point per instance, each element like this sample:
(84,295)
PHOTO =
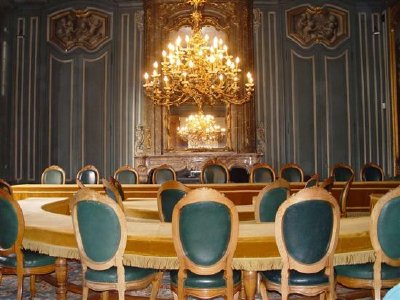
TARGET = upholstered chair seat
(297,278)
(31,260)
(110,275)
(366,271)
(201,281)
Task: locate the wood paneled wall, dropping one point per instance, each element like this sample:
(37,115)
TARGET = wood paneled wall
(318,105)
(315,106)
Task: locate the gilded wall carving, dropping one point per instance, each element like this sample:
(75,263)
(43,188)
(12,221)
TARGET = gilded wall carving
(86,29)
(327,25)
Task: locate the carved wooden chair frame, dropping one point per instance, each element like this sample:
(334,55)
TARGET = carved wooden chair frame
(162,167)
(126,168)
(86,168)
(225,263)
(215,162)
(341,166)
(51,168)
(257,166)
(371,165)
(292,166)
(172,184)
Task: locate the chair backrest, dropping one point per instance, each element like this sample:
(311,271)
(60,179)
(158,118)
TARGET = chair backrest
(214,171)
(168,195)
(313,181)
(328,183)
(53,175)
(239,174)
(292,173)
(344,194)
(5,186)
(262,173)
(112,192)
(126,175)
(12,224)
(371,172)
(205,228)
(116,184)
(88,175)
(342,172)
(101,244)
(163,174)
(385,228)
(311,213)
(269,199)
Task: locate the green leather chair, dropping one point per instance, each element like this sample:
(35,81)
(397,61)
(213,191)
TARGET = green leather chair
(306,233)
(328,183)
(292,173)
(385,239)
(168,195)
(342,172)
(214,171)
(371,172)
(262,173)
(5,186)
(313,181)
(269,199)
(205,230)
(102,244)
(163,174)
(239,174)
(88,175)
(126,175)
(53,175)
(344,194)
(112,192)
(13,258)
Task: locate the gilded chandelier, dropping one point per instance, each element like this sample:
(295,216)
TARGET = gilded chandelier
(194,71)
(201,131)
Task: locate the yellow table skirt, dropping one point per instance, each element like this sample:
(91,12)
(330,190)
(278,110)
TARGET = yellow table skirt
(150,243)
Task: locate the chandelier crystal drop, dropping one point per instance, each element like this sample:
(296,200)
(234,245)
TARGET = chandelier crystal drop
(201,131)
(197,70)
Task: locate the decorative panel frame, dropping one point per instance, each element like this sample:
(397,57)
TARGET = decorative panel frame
(87,29)
(310,25)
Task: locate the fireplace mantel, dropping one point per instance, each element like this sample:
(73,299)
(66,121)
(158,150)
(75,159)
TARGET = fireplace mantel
(192,161)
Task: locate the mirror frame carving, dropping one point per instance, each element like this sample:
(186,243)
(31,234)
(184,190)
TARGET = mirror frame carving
(234,18)
(394,29)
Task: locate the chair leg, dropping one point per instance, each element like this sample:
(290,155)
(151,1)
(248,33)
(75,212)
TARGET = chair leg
(263,290)
(32,286)
(20,282)
(156,285)
(85,292)
(121,294)
(104,295)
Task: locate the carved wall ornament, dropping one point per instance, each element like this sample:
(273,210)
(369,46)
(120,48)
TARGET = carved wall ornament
(143,139)
(327,25)
(260,138)
(86,29)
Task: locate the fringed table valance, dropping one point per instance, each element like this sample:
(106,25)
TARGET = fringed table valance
(48,229)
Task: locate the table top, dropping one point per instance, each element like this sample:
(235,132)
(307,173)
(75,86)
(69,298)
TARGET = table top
(48,229)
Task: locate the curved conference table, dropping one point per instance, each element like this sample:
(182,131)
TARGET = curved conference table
(48,229)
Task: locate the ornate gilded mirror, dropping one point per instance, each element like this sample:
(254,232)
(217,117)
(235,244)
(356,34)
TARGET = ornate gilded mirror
(231,123)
